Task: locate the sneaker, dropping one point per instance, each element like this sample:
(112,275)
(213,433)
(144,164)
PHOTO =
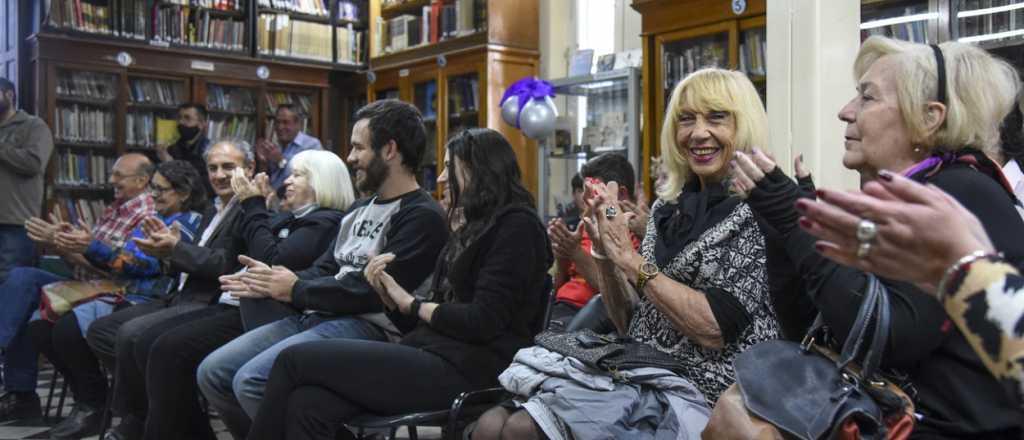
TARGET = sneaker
(19,405)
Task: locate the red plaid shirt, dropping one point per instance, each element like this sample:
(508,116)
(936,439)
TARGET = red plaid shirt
(118,221)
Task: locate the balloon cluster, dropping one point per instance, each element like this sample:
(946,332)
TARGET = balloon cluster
(527,105)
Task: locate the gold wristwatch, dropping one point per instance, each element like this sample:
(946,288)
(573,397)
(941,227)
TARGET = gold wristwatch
(645,273)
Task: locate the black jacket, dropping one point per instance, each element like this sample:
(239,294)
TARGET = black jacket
(205,264)
(955,392)
(307,238)
(499,282)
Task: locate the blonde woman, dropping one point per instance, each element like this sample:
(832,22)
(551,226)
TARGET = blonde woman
(930,113)
(696,289)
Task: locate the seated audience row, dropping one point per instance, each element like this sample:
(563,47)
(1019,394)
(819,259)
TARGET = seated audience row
(293,323)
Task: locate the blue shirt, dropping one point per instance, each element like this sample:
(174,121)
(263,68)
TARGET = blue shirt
(302,142)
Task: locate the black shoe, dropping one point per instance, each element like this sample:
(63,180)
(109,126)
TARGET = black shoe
(83,421)
(19,405)
(130,428)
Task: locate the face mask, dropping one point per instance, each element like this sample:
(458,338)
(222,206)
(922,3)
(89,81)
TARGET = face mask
(4,105)
(187,133)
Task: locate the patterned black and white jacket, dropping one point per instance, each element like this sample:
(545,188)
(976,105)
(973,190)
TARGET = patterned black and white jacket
(728,257)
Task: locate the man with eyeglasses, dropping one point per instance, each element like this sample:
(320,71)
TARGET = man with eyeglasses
(19,294)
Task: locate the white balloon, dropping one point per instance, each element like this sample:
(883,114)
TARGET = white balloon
(510,110)
(537,120)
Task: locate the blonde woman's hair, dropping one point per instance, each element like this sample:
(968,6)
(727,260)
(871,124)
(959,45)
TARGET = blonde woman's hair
(703,91)
(980,90)
(328,177)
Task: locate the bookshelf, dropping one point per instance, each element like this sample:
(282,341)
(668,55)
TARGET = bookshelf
(995,25)
(682,36)
(152,110)
(454,69)
(322,31)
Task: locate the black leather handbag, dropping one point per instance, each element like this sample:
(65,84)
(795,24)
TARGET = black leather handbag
(810,393)
(606,352)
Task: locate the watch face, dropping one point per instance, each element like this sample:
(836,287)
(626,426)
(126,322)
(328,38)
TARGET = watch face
(649,269)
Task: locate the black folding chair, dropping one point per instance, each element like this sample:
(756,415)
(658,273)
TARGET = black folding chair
(467,406)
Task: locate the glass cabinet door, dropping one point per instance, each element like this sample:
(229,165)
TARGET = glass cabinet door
(152,116)
(303,102)
(907,20)
(425,99)
(463,102)
(232,112)
(683,57)
(991,23)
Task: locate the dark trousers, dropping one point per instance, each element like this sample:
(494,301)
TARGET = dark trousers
(315,387)
(174,411)
(121,341)
(63,344)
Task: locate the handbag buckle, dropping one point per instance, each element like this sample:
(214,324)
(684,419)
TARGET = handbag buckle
(806,344)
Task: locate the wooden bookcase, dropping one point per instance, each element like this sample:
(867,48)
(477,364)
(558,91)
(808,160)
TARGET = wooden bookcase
(681,36)
(230,87)
(458,82)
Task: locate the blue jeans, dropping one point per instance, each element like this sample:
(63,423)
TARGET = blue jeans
(234,376)
(19,296)
(16,250)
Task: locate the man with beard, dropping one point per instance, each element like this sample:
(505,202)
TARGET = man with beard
(192,142)
(388,141)
(121,340)
(25,148)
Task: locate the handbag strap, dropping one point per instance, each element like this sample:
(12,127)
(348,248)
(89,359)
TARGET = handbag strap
(855,338)
(873,357)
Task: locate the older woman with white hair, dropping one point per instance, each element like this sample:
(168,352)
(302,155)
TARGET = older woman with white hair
(930,113)
(697,288)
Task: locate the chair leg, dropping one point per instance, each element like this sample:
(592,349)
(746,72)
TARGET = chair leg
(393,434)
(49,396)
(413,435)
(63,394)
(107,415)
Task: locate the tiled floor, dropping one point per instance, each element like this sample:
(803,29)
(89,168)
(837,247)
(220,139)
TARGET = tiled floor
(39,429)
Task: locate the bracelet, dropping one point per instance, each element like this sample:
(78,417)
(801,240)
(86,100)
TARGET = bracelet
(957,268)
(597,255)
(414,308)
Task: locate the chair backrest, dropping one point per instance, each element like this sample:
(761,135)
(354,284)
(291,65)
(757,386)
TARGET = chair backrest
(547,299)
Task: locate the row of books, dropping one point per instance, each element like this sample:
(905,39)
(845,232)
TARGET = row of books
(281,35)
(149,129)
(320,8)
(197,27)
(220,5)
(230,99)
(78,169)
(436,22)
(157,91)
(80,15)
(84,124)
(692,56)
(350,44)
(133,16)
(86,85)
(274,99)
(78,210)
(463,94)
(752,52)
(914,31)
(992,23)
(232,127)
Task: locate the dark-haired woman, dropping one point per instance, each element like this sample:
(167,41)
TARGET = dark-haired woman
(484,305)
(178,196)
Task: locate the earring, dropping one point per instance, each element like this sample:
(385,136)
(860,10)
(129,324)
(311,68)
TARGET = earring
(917,149)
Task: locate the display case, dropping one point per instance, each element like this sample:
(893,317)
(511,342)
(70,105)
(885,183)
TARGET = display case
(601,115)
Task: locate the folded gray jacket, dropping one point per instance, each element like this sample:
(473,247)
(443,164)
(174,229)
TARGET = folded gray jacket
(563,395)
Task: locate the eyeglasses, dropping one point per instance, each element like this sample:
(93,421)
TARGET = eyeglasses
(157,190)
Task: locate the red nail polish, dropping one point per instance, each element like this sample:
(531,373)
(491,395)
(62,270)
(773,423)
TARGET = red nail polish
(885,175)
(820,193)
(819,247)
(801,206)
(805,223)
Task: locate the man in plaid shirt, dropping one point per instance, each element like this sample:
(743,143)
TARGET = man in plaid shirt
(20,292)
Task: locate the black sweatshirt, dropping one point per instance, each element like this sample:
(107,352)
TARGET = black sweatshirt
(499,282)
(955,392)
(286,240)
(411,226)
